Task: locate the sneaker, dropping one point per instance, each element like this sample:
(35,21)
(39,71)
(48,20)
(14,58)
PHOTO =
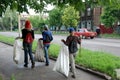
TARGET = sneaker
(47,64)
(25,65)
(73,76)
(70,69)
(33,65)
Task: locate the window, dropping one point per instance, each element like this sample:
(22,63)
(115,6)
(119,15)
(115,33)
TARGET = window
(82,14)
(88,11)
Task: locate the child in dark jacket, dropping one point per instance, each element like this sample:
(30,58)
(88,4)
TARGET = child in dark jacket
(71,55)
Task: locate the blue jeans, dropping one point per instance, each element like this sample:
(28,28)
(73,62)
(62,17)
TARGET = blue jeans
(46,47)
(72,63)
(28,50)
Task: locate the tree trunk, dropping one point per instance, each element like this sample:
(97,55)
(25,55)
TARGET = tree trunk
(19,24)
(11,26)
(4,29)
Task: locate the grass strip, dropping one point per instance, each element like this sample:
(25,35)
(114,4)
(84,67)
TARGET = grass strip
(114,35)
(99,61)
(95,60)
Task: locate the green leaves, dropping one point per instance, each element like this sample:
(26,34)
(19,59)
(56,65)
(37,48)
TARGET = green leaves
(9,20)
(70,17)
(55,17)
(39,5)
(110,15)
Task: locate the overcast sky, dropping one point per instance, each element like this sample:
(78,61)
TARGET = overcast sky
(31,12)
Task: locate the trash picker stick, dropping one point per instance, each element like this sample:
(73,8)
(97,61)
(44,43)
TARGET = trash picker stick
(80,49)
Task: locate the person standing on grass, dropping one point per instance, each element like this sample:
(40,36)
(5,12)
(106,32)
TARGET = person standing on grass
(72,53)
(98,31)
(28,37)
(47,38)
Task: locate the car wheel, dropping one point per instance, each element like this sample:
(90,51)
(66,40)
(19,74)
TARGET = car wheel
(91,37)
(83,37)
(80,36)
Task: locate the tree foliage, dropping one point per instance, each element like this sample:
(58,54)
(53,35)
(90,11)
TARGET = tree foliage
(9,20)
(110,16)
(39,5)
(55,17)
(70,17)
(37,22)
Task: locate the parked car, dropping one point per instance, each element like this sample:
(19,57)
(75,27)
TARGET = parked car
(84,33)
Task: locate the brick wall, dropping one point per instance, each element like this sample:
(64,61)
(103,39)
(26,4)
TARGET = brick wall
(96,16)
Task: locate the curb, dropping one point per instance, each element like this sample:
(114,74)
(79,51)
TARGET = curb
(80,67)
(102,75)
(94,72)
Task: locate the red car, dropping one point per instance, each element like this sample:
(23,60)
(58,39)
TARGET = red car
(84,33)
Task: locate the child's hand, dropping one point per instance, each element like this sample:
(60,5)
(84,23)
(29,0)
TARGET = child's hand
(62,40)
(40,38)
(17,38)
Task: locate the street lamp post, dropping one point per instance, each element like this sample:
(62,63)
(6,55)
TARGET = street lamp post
(19,24)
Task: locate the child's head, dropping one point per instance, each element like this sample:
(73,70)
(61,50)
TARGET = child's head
(46,27)
(28,24)
(71,30)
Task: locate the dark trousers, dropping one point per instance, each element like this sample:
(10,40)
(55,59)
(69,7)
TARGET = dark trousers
(28,50)
(46,47)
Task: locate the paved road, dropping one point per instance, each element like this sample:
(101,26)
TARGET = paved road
(40,72)
(112,46)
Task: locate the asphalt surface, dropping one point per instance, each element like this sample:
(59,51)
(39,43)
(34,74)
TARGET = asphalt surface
(8,68)
(111,46)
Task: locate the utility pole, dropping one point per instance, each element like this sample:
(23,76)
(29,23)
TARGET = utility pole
(11,25)
(19,24)
(85,14)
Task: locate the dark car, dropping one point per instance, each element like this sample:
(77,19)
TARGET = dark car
(84,33)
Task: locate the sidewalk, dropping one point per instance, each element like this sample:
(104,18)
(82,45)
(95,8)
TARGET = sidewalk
(40,72)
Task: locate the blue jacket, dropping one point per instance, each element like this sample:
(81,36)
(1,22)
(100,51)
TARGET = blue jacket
(44,33)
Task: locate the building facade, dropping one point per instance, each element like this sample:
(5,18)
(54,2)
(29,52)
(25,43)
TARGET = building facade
(90,18)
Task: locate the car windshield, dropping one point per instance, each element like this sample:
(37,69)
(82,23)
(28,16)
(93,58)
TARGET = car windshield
(83,30)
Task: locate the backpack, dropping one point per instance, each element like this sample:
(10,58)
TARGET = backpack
(48,38)
(28,38)
(73,46)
